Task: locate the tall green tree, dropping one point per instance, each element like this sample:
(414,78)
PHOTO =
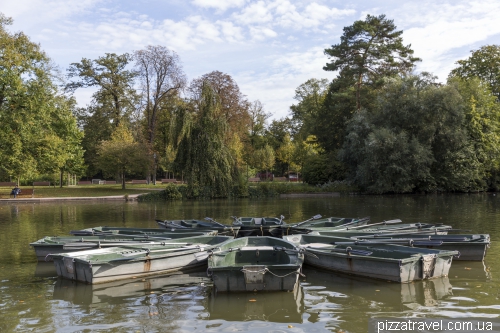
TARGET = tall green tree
(202,154)
(38,133)
(310,97)
(112,78)
(482,123)
(484,64)
(414,140)
(370,50)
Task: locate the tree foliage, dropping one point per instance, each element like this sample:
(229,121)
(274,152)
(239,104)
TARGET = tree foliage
(38,132)
(484,64)
(310,96)
(370,50)
(161,77)
(202,154)
(414,140)
(122,155)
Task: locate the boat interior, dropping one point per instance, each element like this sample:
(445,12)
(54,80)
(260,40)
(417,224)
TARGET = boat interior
(259,221)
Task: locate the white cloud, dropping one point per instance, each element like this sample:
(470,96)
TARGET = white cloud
(221,5)
(262,33)
(436,30)
(257,12)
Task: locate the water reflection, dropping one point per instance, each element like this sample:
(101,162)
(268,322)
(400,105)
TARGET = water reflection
(116,292)
(325,286)
(278,307)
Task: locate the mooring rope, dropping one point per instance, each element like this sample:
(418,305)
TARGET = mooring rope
(266,270)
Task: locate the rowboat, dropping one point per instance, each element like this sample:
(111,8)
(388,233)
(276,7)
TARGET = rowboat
(386,227)
(470,247)
(255,264)
(389,262)
(152,232)
(331,222)
(265,226)
(208,224)
(117,263)
(258,226)
(47,245)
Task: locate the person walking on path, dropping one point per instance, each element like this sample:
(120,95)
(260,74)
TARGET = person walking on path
(15,191)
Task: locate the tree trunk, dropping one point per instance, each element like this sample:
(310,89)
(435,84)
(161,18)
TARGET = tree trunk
(358,93)
(61,178)
(123,180)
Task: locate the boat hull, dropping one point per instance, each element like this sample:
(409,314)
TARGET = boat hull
(118,263)
(255,264)
(94,273)
(389,262)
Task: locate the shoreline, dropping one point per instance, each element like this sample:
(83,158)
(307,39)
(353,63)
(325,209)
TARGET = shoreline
(129,197)
(133,197)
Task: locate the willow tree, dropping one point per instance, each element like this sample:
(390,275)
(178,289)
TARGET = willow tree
(202,154)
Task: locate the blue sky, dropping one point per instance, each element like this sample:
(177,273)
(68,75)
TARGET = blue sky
(269,47)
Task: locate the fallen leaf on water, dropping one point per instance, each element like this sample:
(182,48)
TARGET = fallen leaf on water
(252,300)
(468,268)
(290,326)
(478,286)
(152,292)
(377,290)
(21,301)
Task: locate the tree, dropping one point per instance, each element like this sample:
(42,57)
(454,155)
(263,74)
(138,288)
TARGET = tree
(38,132)
(264,158)
(161,77)
(484,64)
(369,50)
(122,155)
(233,104)
(482,123)
(285,152)
(110,75)
(414,140)
(202,153)
(310,96)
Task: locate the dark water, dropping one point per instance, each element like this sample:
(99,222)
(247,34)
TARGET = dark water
(32,299)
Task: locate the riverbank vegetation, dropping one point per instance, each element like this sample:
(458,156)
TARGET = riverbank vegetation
(379,126)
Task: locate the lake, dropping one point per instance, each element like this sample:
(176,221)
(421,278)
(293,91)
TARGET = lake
(33,299)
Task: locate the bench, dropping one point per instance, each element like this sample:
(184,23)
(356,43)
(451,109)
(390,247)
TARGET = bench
(139,181)
(41,183)
(84,182)
(9,184)
(112,182)
(253,179)
(25,191)
(167,181)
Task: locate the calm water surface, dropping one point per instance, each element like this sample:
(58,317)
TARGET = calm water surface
(33,299)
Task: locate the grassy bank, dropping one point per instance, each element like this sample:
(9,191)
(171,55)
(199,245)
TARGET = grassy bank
(82,191)
(177,192)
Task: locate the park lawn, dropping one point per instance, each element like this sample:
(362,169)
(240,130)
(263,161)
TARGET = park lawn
(83,191)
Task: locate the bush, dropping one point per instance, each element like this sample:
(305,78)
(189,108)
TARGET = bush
(171,192)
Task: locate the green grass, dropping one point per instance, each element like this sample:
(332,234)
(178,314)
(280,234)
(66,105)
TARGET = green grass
(84,190)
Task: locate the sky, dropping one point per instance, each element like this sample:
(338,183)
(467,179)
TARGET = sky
(269,47)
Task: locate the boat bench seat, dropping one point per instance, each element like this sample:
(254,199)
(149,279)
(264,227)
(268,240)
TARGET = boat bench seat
(254,248)
(318,245)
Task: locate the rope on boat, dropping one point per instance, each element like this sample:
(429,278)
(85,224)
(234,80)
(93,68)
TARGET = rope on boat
(266,270)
